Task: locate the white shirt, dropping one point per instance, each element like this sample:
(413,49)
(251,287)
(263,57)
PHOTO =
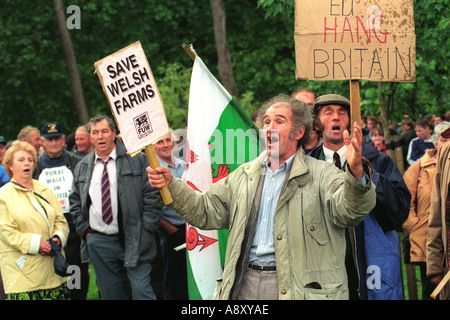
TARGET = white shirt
(329,155)
(341,152)
(95,192)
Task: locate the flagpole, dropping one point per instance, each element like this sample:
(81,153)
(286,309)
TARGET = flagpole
(189,51)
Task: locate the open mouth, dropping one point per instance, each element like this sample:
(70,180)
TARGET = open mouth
(272,137)
(336,128)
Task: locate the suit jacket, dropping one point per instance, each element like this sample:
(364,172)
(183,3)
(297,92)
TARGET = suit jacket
(138,215)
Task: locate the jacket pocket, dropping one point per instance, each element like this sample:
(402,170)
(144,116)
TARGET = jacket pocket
(409,224)
(21,261)
(325,292)
(315,225)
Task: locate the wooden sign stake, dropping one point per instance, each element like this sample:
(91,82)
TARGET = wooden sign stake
(154,163)
(355,103)
(440,285)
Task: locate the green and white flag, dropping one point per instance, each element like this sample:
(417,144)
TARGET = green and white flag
(220,137)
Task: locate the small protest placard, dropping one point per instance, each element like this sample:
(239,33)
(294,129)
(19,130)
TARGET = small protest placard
(135,102)
(349,39)
(133,96)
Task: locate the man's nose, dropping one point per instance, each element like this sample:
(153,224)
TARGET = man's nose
(271,125)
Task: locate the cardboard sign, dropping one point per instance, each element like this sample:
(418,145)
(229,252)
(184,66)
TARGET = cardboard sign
(136,104)
(361,40)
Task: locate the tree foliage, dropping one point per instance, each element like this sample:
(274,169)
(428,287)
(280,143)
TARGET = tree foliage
(35,86)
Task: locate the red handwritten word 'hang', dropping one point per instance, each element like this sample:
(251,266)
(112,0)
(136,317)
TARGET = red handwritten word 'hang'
(347,27)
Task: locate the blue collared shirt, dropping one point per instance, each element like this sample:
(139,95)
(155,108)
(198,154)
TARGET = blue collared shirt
(180,166)
(263,251)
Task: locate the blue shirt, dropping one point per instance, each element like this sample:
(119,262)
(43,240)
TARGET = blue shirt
(3,176)
(417,148)
(263,251)
(180,166)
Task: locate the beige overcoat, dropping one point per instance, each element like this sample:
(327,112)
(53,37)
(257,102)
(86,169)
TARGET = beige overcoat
(437,249)
(316,204)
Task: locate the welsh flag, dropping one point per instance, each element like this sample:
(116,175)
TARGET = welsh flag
(220,137)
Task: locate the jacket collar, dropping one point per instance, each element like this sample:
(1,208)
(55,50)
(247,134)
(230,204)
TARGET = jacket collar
(427,158)
(299,166)
(37,187)
(121,150)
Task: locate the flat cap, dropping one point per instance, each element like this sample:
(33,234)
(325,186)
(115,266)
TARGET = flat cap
(329,99)
(446,134)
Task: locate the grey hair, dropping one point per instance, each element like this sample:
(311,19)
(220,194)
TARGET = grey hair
(438,129)
(301,116)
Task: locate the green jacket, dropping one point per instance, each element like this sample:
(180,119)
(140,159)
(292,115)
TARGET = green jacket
(316,204)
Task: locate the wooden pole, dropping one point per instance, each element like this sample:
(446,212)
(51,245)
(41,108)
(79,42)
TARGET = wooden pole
(355,103)
(154,163)
(189,51)
(440,285)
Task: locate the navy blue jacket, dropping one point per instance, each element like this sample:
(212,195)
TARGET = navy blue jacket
(375,242)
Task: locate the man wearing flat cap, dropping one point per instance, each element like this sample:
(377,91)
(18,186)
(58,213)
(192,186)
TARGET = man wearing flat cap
(373,257)
(55,168)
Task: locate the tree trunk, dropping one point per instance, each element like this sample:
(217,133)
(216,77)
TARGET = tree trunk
(223,51)
(385,109)
(71,62)
(384,114)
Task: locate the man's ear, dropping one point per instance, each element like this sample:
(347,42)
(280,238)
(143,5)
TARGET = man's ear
(300,133)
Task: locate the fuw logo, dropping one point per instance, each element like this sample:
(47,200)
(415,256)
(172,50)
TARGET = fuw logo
(143,125)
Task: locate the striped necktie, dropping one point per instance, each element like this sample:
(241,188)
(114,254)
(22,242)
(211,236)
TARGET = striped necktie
(106,195)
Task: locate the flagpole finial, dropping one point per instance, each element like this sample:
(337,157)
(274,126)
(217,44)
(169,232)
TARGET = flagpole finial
(189,49)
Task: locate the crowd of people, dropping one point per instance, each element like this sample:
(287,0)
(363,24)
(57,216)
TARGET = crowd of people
(315,216)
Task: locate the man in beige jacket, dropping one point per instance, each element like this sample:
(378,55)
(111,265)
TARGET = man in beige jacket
(438,226)
(286,212)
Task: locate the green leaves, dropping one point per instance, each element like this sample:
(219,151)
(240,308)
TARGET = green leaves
(35,86)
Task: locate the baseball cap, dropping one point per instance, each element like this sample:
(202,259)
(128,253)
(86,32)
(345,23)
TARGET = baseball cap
(2,140)
(52,129)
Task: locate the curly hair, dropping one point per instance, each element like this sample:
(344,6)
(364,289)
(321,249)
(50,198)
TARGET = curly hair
(15,147)
(301,116)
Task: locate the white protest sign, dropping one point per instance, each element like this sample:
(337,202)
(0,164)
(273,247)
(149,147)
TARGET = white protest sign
(133,96)
(60,180)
